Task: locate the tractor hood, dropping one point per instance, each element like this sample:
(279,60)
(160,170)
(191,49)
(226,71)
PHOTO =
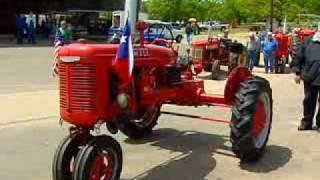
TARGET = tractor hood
(204,43)
(148,55)
(88,50)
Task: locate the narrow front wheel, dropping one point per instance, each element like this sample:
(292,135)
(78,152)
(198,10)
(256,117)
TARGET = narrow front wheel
(100,159)
(63,161)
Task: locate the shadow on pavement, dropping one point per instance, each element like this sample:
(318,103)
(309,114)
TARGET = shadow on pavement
(196,159)
(274,158)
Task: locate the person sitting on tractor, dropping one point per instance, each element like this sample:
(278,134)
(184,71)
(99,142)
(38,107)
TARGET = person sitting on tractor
(270,47)
(64,33)
(306,65)
(226,36)
(225,40)
(253,46)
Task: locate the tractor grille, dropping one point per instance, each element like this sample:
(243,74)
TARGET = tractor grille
(77,87)
(197,53)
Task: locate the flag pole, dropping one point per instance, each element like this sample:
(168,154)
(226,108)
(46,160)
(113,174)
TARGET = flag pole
(131,10)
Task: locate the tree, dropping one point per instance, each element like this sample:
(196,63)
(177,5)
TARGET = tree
(229,10)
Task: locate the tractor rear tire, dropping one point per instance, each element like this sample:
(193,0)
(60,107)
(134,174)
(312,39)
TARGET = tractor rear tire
(251,119)
(137,129)
(102,158)
(64,156)
(215,70)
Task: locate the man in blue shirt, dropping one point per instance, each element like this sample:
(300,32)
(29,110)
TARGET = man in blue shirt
(270,46)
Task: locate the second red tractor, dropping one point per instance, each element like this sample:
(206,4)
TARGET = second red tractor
(215,52)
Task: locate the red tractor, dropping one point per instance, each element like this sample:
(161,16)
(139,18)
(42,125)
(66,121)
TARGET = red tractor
(92,95)
(298,38)
(303,33)
(282,54)
(213,53)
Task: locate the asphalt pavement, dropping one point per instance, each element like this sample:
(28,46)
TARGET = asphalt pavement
(179,149)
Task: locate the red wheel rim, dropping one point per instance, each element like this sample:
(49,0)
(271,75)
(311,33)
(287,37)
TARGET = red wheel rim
(260,124)
(102,167)
(259,119)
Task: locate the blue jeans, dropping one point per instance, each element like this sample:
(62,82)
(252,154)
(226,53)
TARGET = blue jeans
(20,35)
(269,61)
(32,37)
(189,38)
(252,59)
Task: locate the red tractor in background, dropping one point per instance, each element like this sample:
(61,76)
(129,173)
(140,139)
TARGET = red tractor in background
(214,52)
(306,32)
(283,52)
(298,38)
(92,95)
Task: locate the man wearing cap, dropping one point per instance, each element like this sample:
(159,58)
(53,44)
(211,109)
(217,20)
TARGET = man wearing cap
(270,47)
(253,46)
(306,65)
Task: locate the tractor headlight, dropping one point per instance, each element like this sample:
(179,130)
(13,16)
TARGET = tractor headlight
(123,100)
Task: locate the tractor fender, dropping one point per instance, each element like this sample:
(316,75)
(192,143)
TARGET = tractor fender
(235,78)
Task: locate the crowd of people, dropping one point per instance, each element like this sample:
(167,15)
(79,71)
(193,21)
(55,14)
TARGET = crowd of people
(29,27)
(268,45)
(26,27)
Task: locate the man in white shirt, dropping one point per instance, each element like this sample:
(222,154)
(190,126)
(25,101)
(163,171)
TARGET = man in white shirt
(32,25)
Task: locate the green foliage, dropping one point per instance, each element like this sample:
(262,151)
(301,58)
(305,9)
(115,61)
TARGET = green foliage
(228,10)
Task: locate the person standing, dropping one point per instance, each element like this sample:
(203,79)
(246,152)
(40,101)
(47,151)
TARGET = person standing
(258,37)
(64,34)
(20,25)
(189,33)
(253,46)
(270,46)
(306,66)
(32,25)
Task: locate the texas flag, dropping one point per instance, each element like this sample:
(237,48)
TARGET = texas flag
(123,63)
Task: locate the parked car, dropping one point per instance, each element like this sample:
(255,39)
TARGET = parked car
(156,29)
(176,26)
(214,25)
(165,30)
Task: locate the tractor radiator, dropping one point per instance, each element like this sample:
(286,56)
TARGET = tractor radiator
(77,87)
